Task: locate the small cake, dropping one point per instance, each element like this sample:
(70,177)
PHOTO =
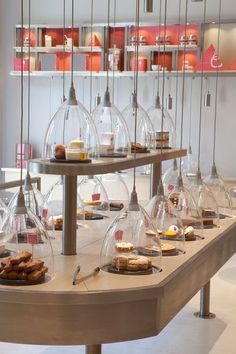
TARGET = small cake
(208,213)
(120,262)
(76,144)
(167,248)
(174,228)
(92,202)
(60,151)
(124,246)
(189,232)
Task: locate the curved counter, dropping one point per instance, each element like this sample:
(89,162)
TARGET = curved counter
(108,307)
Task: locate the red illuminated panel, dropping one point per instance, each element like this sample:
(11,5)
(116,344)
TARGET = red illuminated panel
(94,62)
(163,60)
(211,61)
(190,56)
(57,36)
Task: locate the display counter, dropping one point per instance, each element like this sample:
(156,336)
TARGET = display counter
(109,307)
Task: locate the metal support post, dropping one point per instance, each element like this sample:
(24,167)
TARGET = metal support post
(69,215)
(155,177)
(94,349)
(205,303)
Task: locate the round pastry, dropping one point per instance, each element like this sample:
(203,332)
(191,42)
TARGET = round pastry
(170,233)
(167,248)
(189,232)
(138,263)
(124,246)
(60,151)
(120,262)
(174,228)
(76,144)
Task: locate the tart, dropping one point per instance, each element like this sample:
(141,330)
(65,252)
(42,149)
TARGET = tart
(168,248)
(124,246)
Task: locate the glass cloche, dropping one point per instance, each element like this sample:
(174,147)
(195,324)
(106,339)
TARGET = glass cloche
(144,128)
(164,135)
(3,209)
(28,246)
(131,244)
(71,133)
(92,199)
(166,220)
(117,190)
(222,196)
(206,202)
(188,211)
(112,130)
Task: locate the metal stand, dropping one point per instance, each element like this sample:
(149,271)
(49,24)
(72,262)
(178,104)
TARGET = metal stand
(94,349)
(205,303)
(155,176)
(69,215)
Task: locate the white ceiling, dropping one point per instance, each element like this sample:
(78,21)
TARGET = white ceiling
(50,11)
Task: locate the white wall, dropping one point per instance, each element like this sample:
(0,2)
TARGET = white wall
(46,96)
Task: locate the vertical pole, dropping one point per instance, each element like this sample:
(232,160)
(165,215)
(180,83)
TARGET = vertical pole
(155,177)
(69,215)
(205,303)
(94,349)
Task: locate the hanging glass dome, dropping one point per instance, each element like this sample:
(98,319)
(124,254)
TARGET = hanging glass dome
(33,197)
(92,199)
(188,211)
(167,222)
(163,136)
(222,196)
(206,202)
(111,127)
(131,244)
(71,133)
(170,177)
(28,246)
(144,129)
(3,209)
(116,189)
(189,166)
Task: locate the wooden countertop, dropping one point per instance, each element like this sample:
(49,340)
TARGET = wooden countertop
(109,307)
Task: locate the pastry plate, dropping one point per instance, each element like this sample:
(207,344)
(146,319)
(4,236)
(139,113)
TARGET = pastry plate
(114,270)
(147,252)
(144,151)
(70,161)
(194,238)
(18,282)
(115,154)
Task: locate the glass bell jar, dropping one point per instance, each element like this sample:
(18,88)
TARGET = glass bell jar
(222,196)
(27,245)
(112,129)
(92,199)
(206,202)
(188,211)
(144,127)
(131,245)
(71,133)
(117,190)
(167,222)
(3,209)
(163,136)
(33,197)
(170,177)
(189,166)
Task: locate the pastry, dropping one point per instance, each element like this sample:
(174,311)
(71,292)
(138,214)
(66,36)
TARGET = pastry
(174,228)
(124,246)
(138,147)
(76,144)
(36,274)
(23,256)
(150,233)
(170,233)
(168,248)
(120,262)
(60,151)
(206,213)
(35,264)
(208,222)
(189,232)
(22,276)
(131,263)
(92,202)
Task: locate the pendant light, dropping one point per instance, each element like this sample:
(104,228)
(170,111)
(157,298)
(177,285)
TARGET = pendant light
(112,129)
(156,111)
(22,231)
(189,163)
(214,182)
(180,196)
(131,244)
(171,174)
(163,214)
(207,98)
(201,193)
(33,197)
(71,122)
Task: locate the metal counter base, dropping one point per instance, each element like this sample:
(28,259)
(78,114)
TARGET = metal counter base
(110,308)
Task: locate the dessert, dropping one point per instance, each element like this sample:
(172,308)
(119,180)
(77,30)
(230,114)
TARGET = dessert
(76,154)
(189,232)
(168,248)
(131,263)
(22,267)
(206,213)
(124,246)
(60,151)
(92,202)
(76,144)
(138,147)
(150,233)
(58,223)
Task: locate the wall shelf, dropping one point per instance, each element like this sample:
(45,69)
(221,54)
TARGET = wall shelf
(59,49)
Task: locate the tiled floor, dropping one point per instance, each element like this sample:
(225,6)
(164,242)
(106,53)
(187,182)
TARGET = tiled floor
(184,335)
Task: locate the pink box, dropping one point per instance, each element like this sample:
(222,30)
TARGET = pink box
(17,64)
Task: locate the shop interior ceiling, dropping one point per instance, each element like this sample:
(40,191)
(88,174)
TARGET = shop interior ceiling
(48,12)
